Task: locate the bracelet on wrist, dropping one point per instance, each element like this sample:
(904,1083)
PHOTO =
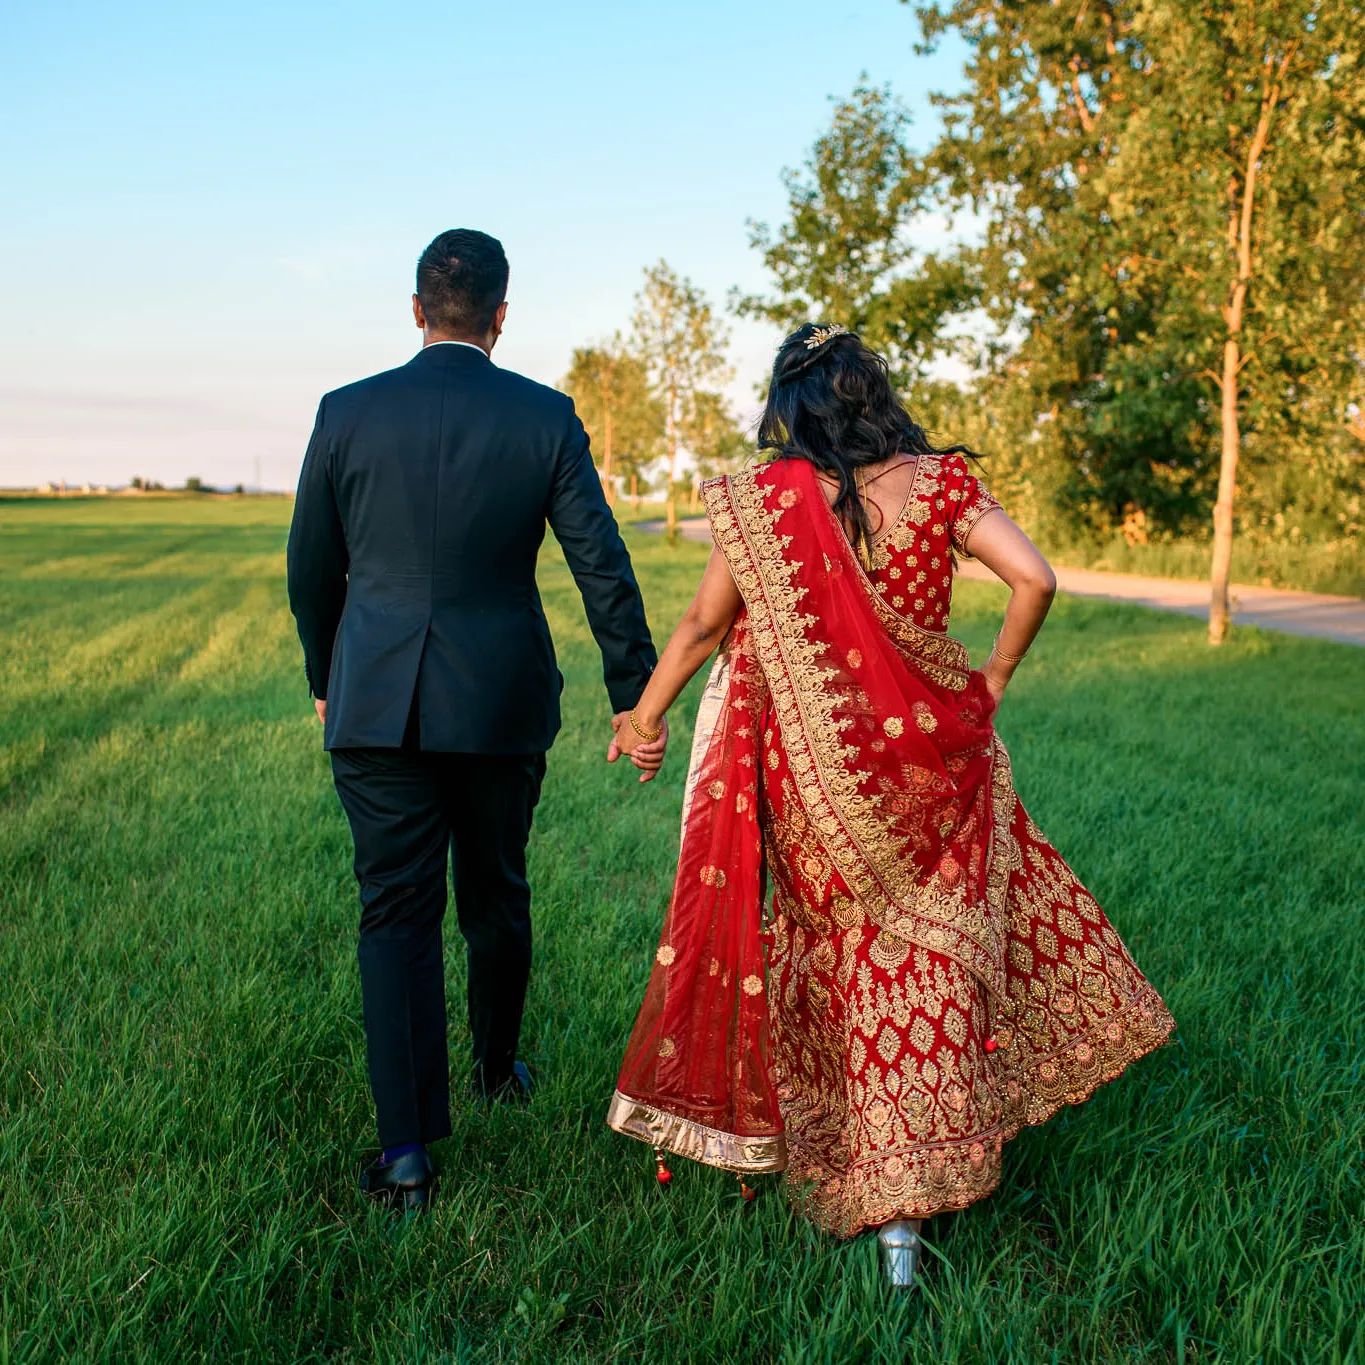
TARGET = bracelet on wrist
(1005,657)
(649,736)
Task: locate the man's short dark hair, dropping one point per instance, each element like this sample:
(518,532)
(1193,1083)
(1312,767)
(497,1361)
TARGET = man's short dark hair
(461,280)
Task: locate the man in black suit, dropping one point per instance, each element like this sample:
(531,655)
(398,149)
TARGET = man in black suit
(421,507)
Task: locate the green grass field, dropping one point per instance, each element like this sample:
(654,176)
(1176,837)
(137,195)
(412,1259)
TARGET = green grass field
(182,1104)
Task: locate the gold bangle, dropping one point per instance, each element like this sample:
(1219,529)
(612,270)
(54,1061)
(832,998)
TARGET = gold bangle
(1004,657)
(646,735)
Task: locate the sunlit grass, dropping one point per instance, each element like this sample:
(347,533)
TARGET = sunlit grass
(1331,565)
(182,1104)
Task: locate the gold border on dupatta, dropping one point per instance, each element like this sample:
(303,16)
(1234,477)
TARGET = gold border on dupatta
(695,1141)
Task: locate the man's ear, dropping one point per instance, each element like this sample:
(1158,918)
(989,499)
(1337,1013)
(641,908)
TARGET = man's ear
(418,316)
(499,318)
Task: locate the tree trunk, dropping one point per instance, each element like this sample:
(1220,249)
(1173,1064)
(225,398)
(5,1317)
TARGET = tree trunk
(1221,570)
(635,489)
(608,482)
(671,505)
(1241,218)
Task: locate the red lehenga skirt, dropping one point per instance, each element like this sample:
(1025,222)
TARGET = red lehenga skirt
(874,970)
(899,1081)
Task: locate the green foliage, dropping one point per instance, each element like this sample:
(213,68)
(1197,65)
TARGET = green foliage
(624,419)
(1095,165)
(713,435)
(681,340)
(845,253)
(183,1103)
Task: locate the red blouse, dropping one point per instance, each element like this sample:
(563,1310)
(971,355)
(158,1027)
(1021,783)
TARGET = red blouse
(912,564)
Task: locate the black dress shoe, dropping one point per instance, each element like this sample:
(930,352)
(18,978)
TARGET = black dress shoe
(407,1184)
(514,1089)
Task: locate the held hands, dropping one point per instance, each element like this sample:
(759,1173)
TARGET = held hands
(321,708)
(647,755)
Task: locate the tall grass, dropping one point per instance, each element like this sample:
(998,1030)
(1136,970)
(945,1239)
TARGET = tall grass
(182,1101)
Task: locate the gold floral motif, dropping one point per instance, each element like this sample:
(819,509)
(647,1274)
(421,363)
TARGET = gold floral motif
(924,717)
(976,502)
(888,951)
(855,658)
(666,955)
(667,1047)
(713,876)
(894,726)
(751,985)
(716,790)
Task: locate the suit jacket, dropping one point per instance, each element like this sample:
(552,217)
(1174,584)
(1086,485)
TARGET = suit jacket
(421,509)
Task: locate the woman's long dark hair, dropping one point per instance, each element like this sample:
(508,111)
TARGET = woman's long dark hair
(832,403)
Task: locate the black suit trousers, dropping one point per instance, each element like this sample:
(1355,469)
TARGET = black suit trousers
(409,811)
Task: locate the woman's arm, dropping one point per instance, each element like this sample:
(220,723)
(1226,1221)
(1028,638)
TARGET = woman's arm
(1009,554)
(704,625)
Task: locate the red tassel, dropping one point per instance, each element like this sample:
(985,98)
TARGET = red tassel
(747,1191)
(661,1172)
(990,1045)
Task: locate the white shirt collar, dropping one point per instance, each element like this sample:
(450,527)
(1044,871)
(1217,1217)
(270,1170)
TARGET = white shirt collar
(470,344)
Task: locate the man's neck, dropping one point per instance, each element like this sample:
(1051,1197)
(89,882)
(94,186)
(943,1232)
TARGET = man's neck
(430,338)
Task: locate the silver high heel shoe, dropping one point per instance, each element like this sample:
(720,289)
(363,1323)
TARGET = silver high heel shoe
(900,1247)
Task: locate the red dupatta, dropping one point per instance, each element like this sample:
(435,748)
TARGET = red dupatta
(888,736)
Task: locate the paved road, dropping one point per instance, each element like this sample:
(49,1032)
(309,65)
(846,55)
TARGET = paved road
(1296,613)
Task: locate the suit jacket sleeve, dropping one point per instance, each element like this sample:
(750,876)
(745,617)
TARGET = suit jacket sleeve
(317,561)
(597,557)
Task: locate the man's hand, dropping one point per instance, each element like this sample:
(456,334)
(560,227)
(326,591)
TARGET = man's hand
(648,757)
(321,708)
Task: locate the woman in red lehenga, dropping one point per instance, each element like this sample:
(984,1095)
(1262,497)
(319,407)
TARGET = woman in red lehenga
(930,976)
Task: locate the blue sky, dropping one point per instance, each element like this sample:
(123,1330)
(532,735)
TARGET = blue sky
(213,211)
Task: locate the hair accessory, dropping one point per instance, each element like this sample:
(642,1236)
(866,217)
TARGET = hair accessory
(823,334)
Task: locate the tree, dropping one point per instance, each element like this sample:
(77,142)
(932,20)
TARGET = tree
(682,343)
(1273,143)
(1169,190)
(845,253)
(715,438)
(610,388)
(1165,271)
